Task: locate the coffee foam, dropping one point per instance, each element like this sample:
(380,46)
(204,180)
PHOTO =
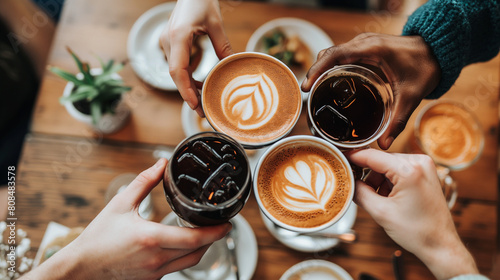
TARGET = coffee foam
(250,101)
(253,99)
(448,135)
(303,185)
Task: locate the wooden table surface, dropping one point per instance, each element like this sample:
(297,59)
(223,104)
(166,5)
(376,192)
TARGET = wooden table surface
(65,168)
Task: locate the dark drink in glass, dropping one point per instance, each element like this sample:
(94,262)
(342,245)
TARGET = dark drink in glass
(349,106)
(208,180)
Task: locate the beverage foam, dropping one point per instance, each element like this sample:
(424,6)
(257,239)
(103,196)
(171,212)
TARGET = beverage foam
(303,186)
(448,135)
(252,99)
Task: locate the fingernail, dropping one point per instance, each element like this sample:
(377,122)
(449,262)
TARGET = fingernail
(160,163)
(229,227)
(389,141)
(191,105)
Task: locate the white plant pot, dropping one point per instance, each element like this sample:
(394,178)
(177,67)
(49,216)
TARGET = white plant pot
(109,123)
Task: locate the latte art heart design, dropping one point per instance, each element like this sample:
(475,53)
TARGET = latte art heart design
(250,101)
(309,184)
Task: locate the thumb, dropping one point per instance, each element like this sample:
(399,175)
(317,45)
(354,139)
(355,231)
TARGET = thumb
(142,185)
(403,108)
(366,197)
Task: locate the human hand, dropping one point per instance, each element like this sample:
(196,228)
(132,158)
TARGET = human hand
(119,244)
(409,63)
(192,18)
(403,195)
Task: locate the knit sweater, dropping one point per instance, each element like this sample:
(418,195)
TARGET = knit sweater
(459,32)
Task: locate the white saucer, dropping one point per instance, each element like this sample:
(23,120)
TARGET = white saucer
(312,36)
(191,125)
(317,270)
(246,249)
(311,244)
(147,58)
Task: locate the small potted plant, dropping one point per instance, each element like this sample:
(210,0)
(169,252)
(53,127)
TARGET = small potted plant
(95,96)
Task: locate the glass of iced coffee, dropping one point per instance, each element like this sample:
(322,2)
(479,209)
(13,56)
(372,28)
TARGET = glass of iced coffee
(207,182)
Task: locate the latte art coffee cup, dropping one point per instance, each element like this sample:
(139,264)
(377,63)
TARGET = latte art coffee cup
(303,183)
(449,133)
(253,98)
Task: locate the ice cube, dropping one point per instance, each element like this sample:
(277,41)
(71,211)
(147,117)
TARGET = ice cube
(345,92)
(207,150)
(193,159)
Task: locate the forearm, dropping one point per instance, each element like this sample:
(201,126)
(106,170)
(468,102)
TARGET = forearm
(31,29)
(448,260)
(459,33)
(65,264)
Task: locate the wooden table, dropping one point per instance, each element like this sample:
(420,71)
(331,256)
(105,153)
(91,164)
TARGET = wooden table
(65,168)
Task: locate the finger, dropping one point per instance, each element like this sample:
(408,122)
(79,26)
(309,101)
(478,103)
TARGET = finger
(221,43)
(178,64)
(381,162)
(328,58)
(183,262)
(188,238)
(385,188)
(142,185)
(403,108)
(366,197)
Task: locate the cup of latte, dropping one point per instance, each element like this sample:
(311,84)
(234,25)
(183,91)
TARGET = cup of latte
(449,133)
(349,106)
(252,97)
(303,184)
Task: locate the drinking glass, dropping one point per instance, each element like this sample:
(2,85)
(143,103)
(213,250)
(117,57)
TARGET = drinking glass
(451,135)
(224,161)
(367,76)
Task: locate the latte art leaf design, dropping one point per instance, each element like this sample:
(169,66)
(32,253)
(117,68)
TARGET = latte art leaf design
(250,101)
(309,184)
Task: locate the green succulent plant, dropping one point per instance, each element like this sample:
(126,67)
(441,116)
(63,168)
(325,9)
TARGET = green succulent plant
(94,94)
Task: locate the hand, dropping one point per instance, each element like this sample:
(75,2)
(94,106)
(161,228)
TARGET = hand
(403,195)
(191,18)
(409,63)
(119,244)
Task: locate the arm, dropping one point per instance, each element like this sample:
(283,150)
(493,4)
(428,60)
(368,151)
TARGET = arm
(407,62)
(459,33)
(191,18)
(404,196)
(31,28)
(118,243)
(441,38)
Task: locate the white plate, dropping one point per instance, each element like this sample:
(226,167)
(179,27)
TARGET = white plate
(311,35)
(246,249)
(192,124)
(311,244)
(146,56)
(317,270)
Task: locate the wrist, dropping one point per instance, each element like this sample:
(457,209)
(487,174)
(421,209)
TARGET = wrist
(65,264)
(449,259)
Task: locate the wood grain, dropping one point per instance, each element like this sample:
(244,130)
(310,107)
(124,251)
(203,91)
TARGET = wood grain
(65,167)
(64,179)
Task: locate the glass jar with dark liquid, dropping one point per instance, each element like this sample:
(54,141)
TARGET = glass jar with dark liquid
(208,179)
(350,106)
(207,182)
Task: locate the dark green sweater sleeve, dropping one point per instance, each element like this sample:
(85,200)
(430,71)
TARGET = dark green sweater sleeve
(459,32)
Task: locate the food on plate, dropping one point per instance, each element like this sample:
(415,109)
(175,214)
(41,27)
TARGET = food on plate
(288,48)
(59,242)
